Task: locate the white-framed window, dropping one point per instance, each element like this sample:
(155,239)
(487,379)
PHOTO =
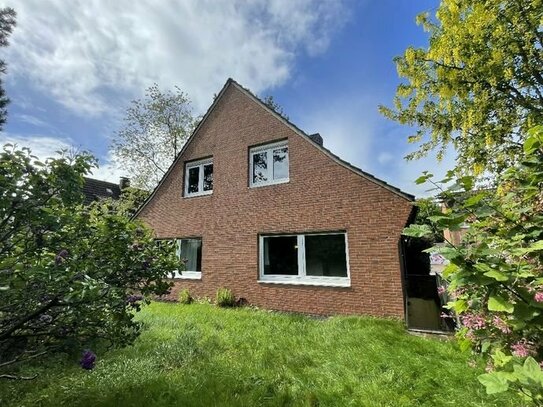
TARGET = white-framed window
(199,177)
(189,252)
(309,259)
(268,164)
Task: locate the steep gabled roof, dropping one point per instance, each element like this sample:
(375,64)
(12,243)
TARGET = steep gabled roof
(296,129)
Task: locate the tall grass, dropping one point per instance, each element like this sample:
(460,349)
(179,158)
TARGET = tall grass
(200,355)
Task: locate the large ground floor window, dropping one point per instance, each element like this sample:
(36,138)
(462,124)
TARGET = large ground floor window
(315,259)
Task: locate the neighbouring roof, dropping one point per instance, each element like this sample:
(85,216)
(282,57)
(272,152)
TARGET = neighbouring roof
(95,189)
(314,139)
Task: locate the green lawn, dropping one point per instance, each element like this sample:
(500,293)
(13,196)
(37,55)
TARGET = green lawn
(200,355)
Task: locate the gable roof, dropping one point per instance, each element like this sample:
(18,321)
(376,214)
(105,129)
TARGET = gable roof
(95,189)
(309,138)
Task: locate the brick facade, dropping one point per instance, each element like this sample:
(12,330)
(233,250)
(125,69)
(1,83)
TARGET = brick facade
(321,195)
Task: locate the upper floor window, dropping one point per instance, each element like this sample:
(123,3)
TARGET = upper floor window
(199,177)
(268,164)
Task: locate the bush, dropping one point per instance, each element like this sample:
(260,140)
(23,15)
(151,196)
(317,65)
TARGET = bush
(495,273)
(68,272)
(185,297)
(225,298)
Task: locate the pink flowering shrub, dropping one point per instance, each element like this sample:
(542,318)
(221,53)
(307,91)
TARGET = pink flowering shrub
(495,274)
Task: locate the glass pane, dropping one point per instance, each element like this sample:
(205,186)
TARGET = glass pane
(191,254)
(260,167)
(281,255)
(194,174)
(280,163)
(325,255)
(208,177)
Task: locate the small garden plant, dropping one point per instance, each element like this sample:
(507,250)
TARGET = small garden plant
(185,297)
(225,298)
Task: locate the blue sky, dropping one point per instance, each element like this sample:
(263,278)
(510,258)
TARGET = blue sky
(73,68)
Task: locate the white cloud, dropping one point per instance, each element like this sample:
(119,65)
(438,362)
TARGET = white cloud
(41,146)
(402,173)
(385,158)
(345,129)
(108,170)
(86,54)
(44,147)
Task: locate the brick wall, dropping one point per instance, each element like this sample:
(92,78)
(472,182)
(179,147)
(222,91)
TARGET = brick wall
(321,195)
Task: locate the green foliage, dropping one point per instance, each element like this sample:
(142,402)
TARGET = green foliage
(496,273)
(7,23)
(155,130)
(207,356)
(185,297)
(225,298)
(70,276)
(129,202)
(276,107)
(479,83)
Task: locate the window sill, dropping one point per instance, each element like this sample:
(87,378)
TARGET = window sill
(328,282)
(206,193)
(267,184)
(188,275)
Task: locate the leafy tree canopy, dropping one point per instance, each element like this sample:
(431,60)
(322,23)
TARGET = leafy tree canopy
(155,129)
(478,86)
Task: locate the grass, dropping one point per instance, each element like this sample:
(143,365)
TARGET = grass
(200,355)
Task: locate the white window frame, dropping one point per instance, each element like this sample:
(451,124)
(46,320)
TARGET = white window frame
(200,164)
(186,274)
(302,278)
(268,149)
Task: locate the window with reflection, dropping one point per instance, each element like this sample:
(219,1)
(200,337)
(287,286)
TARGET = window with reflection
(269,164)
(199,177)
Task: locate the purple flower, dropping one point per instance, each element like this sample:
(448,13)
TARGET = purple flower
(441,290)
(134,301)
(131,299)
(87,360)
(522,348)
(501,325)
(473,321)
(61,256)
(538,297)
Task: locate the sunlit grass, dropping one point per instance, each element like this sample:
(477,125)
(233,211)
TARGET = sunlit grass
(200,355)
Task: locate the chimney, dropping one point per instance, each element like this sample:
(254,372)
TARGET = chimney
(124,182)
(317,138)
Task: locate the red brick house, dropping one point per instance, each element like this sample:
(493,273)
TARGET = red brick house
(260,207)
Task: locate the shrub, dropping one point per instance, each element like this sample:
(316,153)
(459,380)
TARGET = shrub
(495,273)
(68,272)
(185,297)
(225,298)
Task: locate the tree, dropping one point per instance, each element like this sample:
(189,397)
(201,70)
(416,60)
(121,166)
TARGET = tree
(71,276)
(153,134)
(7,23)
(479,87)
(129,202)
(479,84)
